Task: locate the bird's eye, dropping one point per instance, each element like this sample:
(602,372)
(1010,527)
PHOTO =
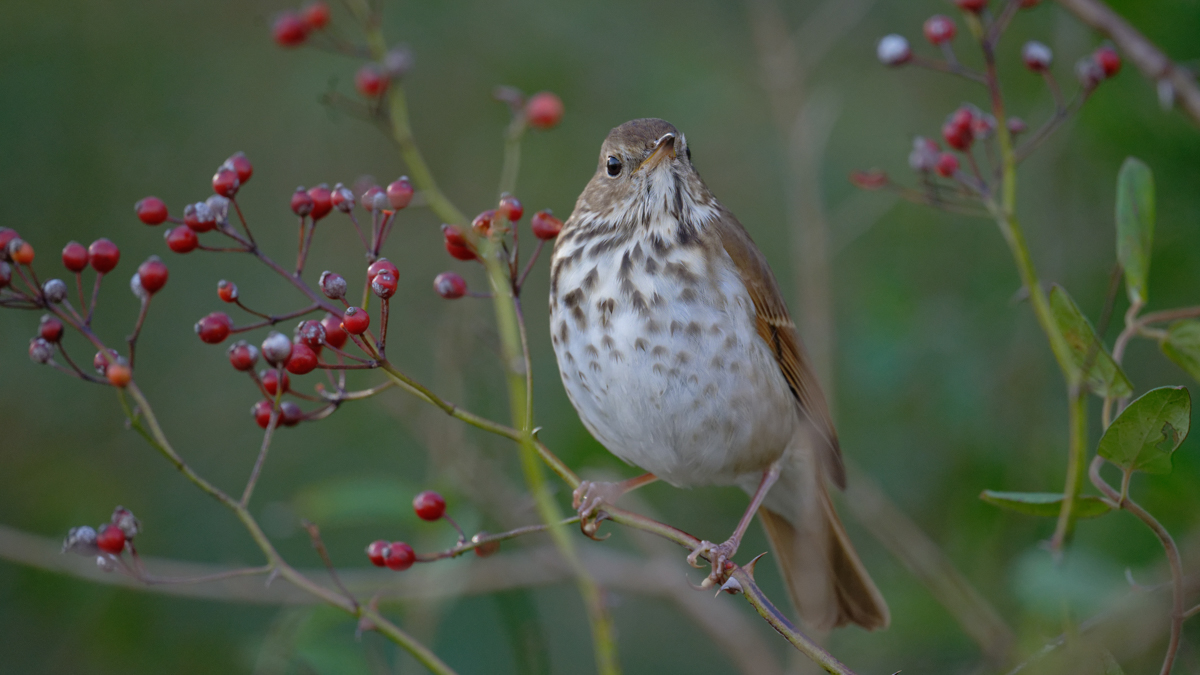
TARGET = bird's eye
(614,166)
(689,153)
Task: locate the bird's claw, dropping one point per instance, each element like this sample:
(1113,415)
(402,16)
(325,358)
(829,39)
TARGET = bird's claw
(718,556)
(589,500)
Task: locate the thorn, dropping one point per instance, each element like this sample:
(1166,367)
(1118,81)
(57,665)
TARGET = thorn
(732,586)
(749,567)
(271,577)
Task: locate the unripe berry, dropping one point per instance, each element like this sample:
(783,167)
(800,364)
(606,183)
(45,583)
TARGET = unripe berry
(370,81)
(342,198)
(1108,59)
(400,192)
(214,328)
(483,222)
(335,336)
(75,257)
(400,556)
(270,380)
(227,291)
(110,539)
(429,505)
(243,355)
(103,255)
(947,164)
(1037,56)
(55,291)
(377,552)
(50,328)
(355,320)
(302,203)
(241,165)
(40,350)
(321,201)
(939,29)
(924,155)
(225,182)
(893,50)
(289,30)
(153,274)
(545,226)
(199,217)
(290,414)
(101,361)
(303,359)
(311,333)
(182,239)
(315,14)
(511,208)
(450,285)
(544,110)
(20,251)
(487,549)
(151,211)
(384,285)
(332,285)
(262,412)
(276,348)
(974,6)
(380,266)
(119,374)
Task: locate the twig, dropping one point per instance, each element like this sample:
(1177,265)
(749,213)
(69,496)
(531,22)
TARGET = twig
(276,413)
(315,535)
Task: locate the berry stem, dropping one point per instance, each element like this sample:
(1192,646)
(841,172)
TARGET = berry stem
(944,67)
(464,544)
(245,226)
(529,265)
(79,287)
(358,395)
(272,320)
(95,294)
(363,239)
(137,328)
(315,535)
(276,412)
(381,345)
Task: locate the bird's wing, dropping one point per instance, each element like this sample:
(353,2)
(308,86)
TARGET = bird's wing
(776,329)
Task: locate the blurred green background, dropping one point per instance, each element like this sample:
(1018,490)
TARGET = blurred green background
(944,384)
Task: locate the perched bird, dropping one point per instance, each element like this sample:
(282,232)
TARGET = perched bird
(677,351)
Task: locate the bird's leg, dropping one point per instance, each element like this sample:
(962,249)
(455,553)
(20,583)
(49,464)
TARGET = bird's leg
(591,496)
(718,554)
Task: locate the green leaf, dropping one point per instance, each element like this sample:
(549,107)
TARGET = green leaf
(1182,346)
(1103,376)
(1045,504)
(1145,434)
(1135,225)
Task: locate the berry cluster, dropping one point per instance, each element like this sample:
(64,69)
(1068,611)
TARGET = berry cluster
(108,541)
(429,506)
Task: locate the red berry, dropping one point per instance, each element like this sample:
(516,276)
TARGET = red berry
(214,328)
(370,81)
(545,226)
(321,201)
(110,539)
(182,239)
(199,217)
(939,29)
(342,198)
(384,285)
(1036,56)
(103,255)
(243,355)
(290,414)
(50,329)
(270,380)
(334,335)
(511,208)
(485,549)
(118,374)
(400,192)
(957,131)
(151,211)
(302,204)
(289,30)
(947,164)
(227,290)
(75,257)
(355,320)
(459,251)
(316,15)
(333,285)
(101,361)
(381,265)
(5,274)
(277,349)
(262,412)
(7,234)
(483,222)
(400,556)
(225,182)
(377,552)
(241,165)
(375,199)
(1108,59)
(20,251)
(303,359)
(153,274)
(429,505)
(450,285)
(311,333)
(544,110)
(975,6)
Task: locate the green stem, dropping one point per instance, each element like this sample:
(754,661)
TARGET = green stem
(1077,457)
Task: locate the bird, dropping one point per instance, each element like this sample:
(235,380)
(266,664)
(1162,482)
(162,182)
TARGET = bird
(677,351)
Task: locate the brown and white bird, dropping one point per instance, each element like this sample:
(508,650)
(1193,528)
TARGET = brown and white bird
(676,349)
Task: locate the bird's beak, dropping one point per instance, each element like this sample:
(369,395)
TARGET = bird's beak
(664,148)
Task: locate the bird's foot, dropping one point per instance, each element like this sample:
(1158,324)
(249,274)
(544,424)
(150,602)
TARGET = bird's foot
(589,499)
(719,557)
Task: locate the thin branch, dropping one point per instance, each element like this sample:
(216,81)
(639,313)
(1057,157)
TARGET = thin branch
(314,534)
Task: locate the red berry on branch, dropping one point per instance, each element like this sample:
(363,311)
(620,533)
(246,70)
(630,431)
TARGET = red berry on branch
(939,29)
(355,320)
(545,226)
(322,203)
(974,6)
(483,222)
(316,15)
(119,374)
(276,348)
(429,505)
(289,30)
(227,291)
(153,274)
(380,266)
(243,355)
(947,164)
(456,245)
(50,328)
(101,361)
(214,328)
(400,556)
(1037,56)
(103,255)
(240,164)
(182,239)
(5,274)
(262,412)
(511,208)
(377,552)
(151,211)
(384,285)
(199,217)
(370,81)
(20,251)
(1108,59)
(400,192)
(893,50)
(1089,71)
(544,110)
(225,182)
(270,380)
(303,359)
(40,350)
(302,203)
(110,539)
(450,285)
(290,414)
(342,198)
(55,290)
(311,333)
(75,257)
(958,130)
(485,549)
(332,285)
(7,234)
(335,336)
